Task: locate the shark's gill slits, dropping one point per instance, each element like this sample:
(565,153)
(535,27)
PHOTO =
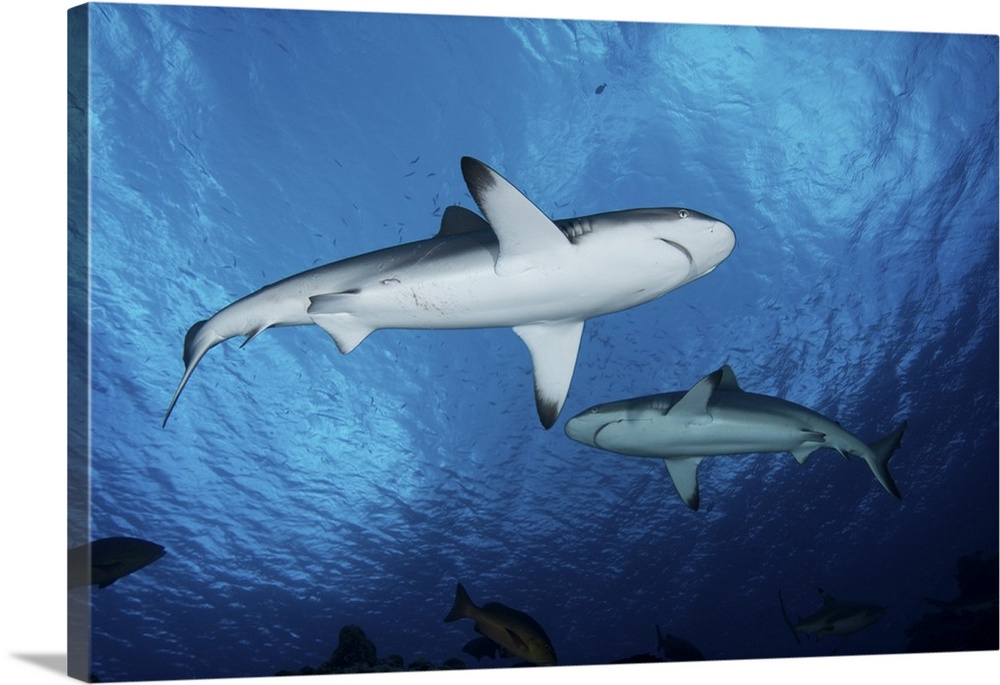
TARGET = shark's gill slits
(680,248)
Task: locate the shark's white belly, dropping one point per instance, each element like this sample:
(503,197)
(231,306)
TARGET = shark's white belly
(738,423)
(460,288)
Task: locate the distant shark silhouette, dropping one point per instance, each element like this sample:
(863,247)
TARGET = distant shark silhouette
(833,618)
(965,605)
(716,417)
(106,560)
(675,648)
(541,277)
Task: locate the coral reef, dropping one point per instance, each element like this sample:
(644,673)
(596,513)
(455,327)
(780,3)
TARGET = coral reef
(967,622)
(355,653)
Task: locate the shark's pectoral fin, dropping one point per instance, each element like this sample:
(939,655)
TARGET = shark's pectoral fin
(528,239)
(693,407)
(458,220)
(553,348)
(327,312)
(684,472)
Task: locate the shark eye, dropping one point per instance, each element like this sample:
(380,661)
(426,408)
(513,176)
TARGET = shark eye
(682,213)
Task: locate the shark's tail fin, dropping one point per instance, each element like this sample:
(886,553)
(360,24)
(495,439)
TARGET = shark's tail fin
(660,644)
(199,340)
(878,459)
(784,614)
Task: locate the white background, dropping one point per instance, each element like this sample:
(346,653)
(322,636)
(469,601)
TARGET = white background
(33,331)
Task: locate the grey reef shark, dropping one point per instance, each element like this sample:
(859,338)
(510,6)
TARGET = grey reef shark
(716,417)
(517,268)
(833,618)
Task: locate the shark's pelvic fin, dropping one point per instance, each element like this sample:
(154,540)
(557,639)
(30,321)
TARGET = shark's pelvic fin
(684,472)
(458,220)
(814,440)
(331,313)
(253,335)
(553,348)
(528,239)
(693,407)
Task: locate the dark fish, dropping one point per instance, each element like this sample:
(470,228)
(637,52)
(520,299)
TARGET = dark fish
(677,649)
(104,561)
(516,633)
(481,647)
(600,89)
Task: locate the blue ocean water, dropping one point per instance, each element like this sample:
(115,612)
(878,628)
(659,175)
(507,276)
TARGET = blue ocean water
(297,490)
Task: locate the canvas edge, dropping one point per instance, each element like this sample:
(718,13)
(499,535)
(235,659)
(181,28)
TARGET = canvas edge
(78,330)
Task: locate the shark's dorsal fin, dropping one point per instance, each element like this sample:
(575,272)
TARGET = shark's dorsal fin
(458,220)
(827,597)
(528,239)
(684,472)
(694,405)
(553,348)
(728,381)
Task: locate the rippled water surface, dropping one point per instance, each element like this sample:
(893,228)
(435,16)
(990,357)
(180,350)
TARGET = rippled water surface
(297,490)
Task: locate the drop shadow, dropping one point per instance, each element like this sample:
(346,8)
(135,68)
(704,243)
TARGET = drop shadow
(50,662)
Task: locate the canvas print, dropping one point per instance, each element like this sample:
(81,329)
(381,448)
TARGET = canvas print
(406,342)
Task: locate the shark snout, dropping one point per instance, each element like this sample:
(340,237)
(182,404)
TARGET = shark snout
(704,241)
(584,427)
(713,247)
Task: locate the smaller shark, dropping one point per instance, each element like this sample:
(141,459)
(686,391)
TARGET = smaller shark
(833,618)
(716,417)
(965,605)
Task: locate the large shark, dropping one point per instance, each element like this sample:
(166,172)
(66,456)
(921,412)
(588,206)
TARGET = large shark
(716,417)
(833,618)
(520,269)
